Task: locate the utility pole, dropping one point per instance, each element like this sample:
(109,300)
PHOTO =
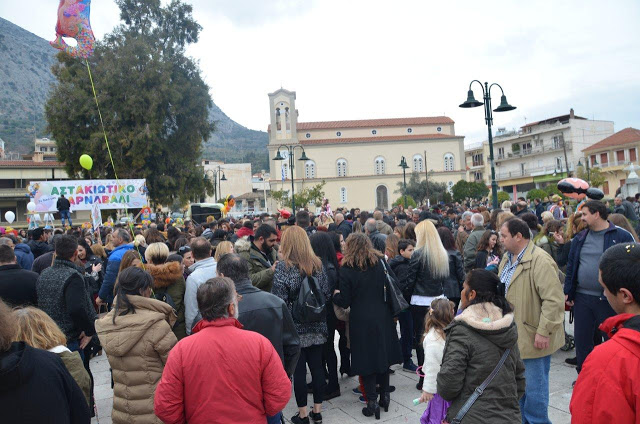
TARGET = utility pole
(566,160)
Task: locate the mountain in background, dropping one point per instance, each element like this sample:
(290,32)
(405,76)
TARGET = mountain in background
(25,81)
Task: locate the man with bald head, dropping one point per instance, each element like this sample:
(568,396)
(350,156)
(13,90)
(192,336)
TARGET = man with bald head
(342,226)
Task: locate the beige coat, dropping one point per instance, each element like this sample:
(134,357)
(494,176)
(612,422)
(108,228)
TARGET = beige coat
(137,347)
(537,297)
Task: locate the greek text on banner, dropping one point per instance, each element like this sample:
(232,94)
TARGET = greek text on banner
(83,194)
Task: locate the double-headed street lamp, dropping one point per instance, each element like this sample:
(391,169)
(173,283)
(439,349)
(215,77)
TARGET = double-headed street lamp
(488,117)
(215,176)
(290,152)
(404,166)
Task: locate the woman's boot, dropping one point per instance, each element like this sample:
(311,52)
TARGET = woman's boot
(371,409)
(385,400)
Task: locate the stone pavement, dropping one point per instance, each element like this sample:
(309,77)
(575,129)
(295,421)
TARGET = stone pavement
(347,410)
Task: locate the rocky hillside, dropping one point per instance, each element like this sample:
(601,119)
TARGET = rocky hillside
(25,81)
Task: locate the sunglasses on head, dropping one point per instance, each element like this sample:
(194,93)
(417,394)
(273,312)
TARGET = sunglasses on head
(184,249)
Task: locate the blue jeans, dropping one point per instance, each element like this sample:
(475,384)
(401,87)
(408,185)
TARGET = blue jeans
(534,404)
(589,312)
(74,346)
(66,215)
(275,419)
(406,334)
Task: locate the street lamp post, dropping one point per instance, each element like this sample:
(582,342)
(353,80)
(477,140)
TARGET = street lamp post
(291,150)
(488,117)
(404,166)
(220,179)
(586,160)
(215,177)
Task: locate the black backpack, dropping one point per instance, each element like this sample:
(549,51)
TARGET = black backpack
(309,305)
(165,297)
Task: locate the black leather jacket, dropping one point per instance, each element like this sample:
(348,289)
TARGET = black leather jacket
(419,280)
(268,315)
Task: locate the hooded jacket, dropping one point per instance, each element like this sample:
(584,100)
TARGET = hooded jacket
(400,267)
(168,278)
(24,255)
(35,387)
(260,270)
(39,248)
(137,346)
(111,273)
(222,374)
(476,339)
(608,387)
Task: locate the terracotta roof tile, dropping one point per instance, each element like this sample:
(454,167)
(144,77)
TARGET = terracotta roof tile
(30,163)
(375,139)
(625,136)
(364,123)
(427,120)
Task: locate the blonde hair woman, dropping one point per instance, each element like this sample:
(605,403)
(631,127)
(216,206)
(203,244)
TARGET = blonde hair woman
(222,249)
(298,261)
(502,218)
(427,275)
(38,330)
(168,282)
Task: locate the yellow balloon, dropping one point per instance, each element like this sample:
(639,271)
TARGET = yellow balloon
(86,162)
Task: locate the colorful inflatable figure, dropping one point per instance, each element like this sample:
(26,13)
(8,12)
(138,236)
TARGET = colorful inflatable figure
(32,189)
(73,22)
(229,203)
(578,189)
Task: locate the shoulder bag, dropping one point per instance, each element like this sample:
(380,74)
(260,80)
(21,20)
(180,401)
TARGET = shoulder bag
(392,294)
(480,389)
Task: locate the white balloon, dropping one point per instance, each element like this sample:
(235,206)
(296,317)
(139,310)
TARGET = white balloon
(10,216)
(31,206)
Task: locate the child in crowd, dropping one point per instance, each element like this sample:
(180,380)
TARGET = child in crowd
(440,315)
(400,267)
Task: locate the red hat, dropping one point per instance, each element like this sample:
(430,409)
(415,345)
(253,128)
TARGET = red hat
(284,213)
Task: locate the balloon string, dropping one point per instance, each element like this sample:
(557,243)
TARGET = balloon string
(113,165)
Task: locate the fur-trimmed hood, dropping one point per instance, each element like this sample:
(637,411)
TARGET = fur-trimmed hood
(242,245)
(166,274)
(488,320)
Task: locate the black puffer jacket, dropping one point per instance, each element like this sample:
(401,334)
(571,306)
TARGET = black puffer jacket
(476,339)
(419,279)
(400,267)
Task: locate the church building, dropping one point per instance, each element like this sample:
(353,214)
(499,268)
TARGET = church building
(359,160)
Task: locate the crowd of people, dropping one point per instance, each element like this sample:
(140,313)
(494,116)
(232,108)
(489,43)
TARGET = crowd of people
(219,321)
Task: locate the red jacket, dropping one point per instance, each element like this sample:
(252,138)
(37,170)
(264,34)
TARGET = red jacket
(608,387)
(222,374)
(244,231)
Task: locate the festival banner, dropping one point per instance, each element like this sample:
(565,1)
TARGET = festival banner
(83,194)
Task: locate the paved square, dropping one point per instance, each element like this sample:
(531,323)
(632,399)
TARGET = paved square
(346,409)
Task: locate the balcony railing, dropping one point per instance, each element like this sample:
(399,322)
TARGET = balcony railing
(544,170)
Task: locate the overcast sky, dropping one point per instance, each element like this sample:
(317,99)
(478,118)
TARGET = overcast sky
(381,59)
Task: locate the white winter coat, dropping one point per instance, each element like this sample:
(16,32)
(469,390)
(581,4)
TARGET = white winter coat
(433,345)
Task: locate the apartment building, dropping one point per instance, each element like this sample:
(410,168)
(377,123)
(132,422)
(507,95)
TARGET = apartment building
(612,155)
(538,154)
